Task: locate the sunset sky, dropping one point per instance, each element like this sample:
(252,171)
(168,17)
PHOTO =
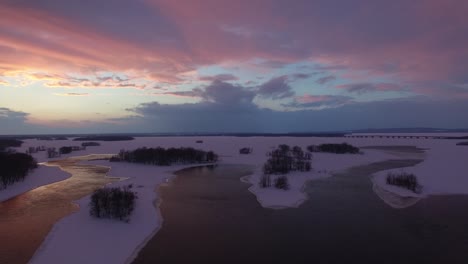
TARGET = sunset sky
(79,66)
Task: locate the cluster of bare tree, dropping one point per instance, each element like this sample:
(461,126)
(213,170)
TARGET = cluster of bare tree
(245,150)
(54,153)
(14,167)
(90,144)
(403,179)
(281,161)
(32,150)
(342,148)
(6,143)
(164,157)
(285,159)
(117,203)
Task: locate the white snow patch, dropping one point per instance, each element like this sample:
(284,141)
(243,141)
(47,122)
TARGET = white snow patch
(443,171)
(80,238)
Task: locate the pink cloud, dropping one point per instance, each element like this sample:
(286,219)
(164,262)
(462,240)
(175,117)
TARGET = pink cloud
(409,41)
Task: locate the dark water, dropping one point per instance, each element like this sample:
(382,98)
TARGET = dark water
(26,219)
(211,217)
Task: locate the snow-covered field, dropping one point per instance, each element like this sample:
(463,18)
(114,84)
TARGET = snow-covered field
(80,238)
(444,171)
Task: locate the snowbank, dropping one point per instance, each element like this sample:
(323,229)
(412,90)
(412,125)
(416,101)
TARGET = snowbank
(80,238)
(43,175)
(323,164)
(443,171)
(393,199)
(444,158)
(228,148)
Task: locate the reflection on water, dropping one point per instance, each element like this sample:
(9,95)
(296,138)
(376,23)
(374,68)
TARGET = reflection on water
(211,217)
(26,219)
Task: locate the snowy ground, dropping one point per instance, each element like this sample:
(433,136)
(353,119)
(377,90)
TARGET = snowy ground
(43,175)
(88,234)
(444,171)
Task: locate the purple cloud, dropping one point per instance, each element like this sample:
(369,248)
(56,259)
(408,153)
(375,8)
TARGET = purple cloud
(361,88)
(276,88)
(319,101)
(220,77)
(326,79)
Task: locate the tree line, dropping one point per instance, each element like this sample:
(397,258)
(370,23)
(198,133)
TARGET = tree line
(342,148)
(14,167)
(9,143)
(165,157)
(104,138)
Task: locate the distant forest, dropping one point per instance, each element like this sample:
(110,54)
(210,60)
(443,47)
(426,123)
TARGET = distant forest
(342,148)
(104,138)
(13,166)
(9,143)
(165,157)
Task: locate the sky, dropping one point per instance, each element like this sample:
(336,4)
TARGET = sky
(148,66)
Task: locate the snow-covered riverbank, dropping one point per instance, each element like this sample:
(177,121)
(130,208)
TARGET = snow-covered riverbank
(40,176)
(81,231)
(91,235)
(443,171)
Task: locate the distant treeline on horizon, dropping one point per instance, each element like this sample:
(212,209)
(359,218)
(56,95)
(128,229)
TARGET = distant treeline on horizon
(129,136)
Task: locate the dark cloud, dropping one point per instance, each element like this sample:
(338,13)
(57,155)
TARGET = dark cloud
(211,117)
(276,88)
(326,79)
(299,76)
(274,64)
(222,93)
(226,93)
(319,101)
(220,77)
(12,121)
(361,88)
(206,116)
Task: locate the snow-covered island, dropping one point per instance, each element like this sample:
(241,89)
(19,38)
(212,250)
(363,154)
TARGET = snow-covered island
(79,230)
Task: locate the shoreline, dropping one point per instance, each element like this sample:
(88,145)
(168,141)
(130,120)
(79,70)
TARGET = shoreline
(277,199)
(143,225)
(324,165)
(156,202)
(41,176)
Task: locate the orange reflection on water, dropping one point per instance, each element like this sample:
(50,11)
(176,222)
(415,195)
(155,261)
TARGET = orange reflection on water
(26,219)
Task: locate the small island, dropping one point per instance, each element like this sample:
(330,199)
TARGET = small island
(115,203)
(343,148)
(166,157)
